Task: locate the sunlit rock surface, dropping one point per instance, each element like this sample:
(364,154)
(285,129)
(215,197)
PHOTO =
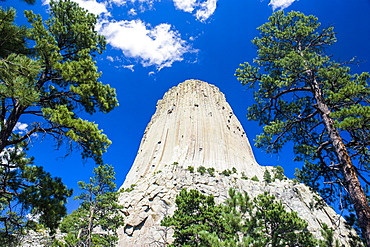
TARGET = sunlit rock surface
(195,126)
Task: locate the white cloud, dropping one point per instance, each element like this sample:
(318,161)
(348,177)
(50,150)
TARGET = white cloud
(280,4)
(185,5)
(132,12)
(130,67)
(21,127)
(159,46)
(5,156)
(93,6)
(203,9)
(119,2)
(206,10)
(141,3)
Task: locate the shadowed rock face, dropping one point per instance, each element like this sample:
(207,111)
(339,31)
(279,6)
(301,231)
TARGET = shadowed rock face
(195,126)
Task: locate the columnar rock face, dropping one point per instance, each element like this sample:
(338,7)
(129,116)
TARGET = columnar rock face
(195,126)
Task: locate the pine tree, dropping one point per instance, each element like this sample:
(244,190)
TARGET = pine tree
(267,176)
(195,213)
(47,72)
(262,221)
(279,173)
(32,197)
(305,97)
(271,225)
(97,219)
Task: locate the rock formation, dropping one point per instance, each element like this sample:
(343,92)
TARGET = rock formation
(194,126)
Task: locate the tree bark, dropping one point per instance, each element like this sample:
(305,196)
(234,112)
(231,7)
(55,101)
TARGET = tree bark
(12,120)
(351,180)
(90,226)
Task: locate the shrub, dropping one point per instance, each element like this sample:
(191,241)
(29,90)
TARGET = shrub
(211,171)
(202,170)
(191,169)
(279,173)
(244,177)
(131,188)
(226,172)
(234,170)
(267,176)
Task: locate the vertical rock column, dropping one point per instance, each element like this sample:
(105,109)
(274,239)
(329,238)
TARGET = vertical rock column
(193,126)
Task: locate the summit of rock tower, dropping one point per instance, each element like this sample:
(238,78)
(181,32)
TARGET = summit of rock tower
(193,126)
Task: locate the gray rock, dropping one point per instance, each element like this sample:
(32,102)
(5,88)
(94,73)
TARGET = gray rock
(195,126)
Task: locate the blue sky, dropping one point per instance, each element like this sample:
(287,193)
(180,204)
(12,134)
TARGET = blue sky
(155,44)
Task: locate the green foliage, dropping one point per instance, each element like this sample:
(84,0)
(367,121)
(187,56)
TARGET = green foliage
(97,219)
(226,172)
(304,97)
(30,197)
(175,163)
(279,173)
(273,225)
(355,240)
(234,170)
(211,171)
(47,72)
(131,188)
(202,170)
(255,178)
(259,222)
(267,176)
(13,38)
(191,169)
(243,176)
(328,236)
(55,79)
(195,213)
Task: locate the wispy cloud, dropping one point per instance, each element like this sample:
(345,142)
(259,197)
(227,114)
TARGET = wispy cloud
(280,4)
(206,10)
(20,127)
(185,5)
(130,67)
(203,9)
(142,5)
(93,6)
(110,58)
(160,46)
(132,12)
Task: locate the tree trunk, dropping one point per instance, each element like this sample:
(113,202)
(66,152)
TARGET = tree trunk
(351,181)
(90,226)
(12,120)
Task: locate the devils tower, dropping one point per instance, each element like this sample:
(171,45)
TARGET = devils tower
(193,127)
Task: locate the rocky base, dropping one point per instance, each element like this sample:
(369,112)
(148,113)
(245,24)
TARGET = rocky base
(147,202)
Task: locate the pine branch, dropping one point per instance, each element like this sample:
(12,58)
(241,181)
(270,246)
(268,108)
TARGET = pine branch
(297,89)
